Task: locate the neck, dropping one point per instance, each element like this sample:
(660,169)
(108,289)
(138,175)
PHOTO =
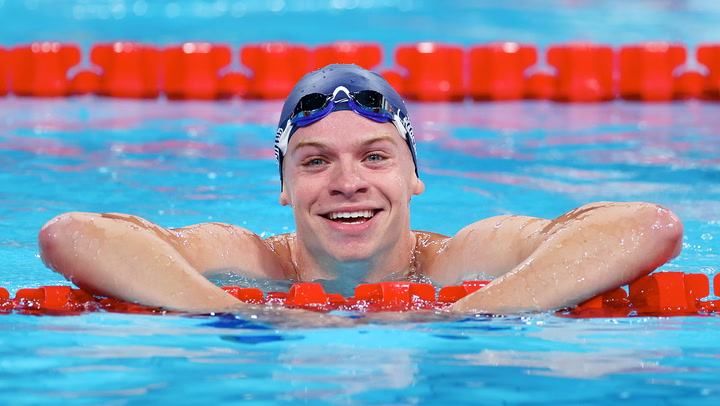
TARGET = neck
(399,258)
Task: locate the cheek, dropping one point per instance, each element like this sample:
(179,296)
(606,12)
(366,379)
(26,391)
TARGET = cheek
(396,187)
(299,191)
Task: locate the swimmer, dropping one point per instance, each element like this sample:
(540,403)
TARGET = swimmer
(348,169)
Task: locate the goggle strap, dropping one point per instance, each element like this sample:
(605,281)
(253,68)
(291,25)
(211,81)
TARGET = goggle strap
(283,138)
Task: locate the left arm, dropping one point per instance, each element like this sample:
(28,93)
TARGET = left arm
(561,263)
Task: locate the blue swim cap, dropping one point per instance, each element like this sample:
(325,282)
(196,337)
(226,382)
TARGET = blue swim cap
(342,87)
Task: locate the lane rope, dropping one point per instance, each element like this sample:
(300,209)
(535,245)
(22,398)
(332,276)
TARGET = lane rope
(423,71)
(658,294)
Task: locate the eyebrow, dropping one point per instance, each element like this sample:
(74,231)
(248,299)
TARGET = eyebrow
(320,144)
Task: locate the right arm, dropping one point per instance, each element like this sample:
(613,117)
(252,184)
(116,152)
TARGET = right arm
(132,259)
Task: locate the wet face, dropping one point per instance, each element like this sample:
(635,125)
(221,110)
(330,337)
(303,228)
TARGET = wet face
(349,181)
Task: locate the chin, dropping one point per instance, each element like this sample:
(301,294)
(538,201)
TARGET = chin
(351,252)
(350,256)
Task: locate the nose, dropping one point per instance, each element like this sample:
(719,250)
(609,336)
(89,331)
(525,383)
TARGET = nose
(347,180)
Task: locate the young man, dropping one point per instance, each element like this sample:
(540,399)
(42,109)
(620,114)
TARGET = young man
(348,168)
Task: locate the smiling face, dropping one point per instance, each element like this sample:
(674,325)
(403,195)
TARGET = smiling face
(349,181)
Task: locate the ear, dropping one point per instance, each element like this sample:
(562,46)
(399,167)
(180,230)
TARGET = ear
(418,187)
(284,198)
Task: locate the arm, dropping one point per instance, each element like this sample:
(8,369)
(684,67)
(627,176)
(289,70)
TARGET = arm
(560,263)
(133,259)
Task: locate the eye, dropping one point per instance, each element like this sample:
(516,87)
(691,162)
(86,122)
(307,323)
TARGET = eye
(314,162)
(375,157)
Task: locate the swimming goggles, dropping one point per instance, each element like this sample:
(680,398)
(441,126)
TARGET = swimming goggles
(368,103)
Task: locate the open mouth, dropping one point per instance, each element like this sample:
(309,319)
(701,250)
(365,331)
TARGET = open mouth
(351,217)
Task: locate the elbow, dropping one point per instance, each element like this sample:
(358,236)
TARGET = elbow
(56,240)
(669,230)
(663,231)
(50,239)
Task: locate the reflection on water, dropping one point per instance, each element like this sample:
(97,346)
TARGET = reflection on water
(572,364)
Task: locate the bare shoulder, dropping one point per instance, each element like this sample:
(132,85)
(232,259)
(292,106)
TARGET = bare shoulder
(281,246)
(228,246)
(489,247)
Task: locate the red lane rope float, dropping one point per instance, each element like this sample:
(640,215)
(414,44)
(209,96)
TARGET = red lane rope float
(435,71)
(128,70)
(41,69)
(276,67)
(4,72)
(423,71)
(190,71)
(499,71)
(658,294)
(584,72)
(647,71)
(709,55)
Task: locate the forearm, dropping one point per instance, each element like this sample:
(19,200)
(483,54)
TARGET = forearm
(119,259)
(581,255)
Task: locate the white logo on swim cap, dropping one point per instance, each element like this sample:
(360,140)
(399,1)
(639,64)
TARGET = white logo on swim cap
(278,134)
(408,127)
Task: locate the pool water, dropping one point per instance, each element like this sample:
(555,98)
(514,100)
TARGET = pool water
(178,163)
(181,163)
(128,359)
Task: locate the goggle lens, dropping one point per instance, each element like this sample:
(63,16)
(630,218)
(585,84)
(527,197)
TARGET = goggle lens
(318,105)
(311,104)
(372,101)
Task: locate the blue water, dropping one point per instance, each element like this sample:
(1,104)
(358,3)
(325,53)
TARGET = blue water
(389,22)
(181,163)
(189,162)
(121,359)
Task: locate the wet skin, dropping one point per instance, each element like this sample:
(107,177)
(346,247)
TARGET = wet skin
(349,181)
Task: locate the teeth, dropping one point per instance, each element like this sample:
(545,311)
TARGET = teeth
(351,214)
